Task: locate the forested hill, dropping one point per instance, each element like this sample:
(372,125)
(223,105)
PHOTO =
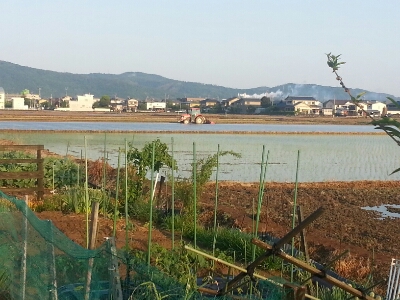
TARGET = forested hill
(15,78)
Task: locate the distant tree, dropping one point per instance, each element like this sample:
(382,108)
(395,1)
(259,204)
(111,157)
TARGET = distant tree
(171,104)
(266,102)
(46,105)
(142,106)
(250,110)
(104,101)
(63,103)
(24,93)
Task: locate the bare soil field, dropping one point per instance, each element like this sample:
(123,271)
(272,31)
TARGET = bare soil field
(63,116)
(372,241)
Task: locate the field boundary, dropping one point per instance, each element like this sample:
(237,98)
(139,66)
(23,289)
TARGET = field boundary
(38,174)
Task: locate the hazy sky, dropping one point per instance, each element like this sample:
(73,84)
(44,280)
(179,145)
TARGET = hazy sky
(232,43)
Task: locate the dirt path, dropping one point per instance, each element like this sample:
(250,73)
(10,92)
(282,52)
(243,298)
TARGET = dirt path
(61,116)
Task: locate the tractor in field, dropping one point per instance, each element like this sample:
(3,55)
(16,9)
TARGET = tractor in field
(193,115)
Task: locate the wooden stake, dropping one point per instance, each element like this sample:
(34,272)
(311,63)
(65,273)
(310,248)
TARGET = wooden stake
(92,243)
(319,273)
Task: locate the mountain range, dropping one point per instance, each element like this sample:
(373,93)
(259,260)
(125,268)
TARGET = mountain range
(15,78)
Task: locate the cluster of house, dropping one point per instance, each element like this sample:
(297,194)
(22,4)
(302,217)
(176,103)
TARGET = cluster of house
(298,105)
(240,104)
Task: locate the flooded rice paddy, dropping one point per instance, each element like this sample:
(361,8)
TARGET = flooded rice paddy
(323,157)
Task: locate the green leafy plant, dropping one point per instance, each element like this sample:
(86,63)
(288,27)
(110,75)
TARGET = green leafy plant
(140,163)
(65,172)
(204,168)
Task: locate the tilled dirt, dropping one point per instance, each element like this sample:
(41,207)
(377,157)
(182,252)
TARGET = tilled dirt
(344,225)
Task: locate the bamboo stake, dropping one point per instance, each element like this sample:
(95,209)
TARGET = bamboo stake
(294,212)
(276,247)
(235,267)
(195,194)
(103,183)
(104,162)
(92,244)
(86,195)
(53,179)
(116,194)
(25,250)
(106,194)
(126,195)
(66,153)
(259,199)
(173,194)
(53,264)
(215,205)
(321,274)
(151,208)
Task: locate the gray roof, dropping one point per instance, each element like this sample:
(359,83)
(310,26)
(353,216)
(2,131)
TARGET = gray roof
(1,90)
(300,98)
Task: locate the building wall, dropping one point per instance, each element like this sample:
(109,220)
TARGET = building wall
(84,103)
(2,98)
(18,103)
(378,106)
(155,105)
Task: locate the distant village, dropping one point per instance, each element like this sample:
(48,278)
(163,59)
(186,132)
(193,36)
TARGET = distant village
(241,104)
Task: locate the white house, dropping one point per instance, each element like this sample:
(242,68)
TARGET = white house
(2,98)
(18,103)
(340,107)
(310,101)
(376,106)
(83,103)
(155,105)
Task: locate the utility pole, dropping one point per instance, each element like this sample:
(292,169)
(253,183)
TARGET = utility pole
(39,92)
(66,92)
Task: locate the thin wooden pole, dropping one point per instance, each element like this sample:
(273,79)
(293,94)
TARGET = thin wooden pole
(294,212)
(25,249)
(258,203)
(173,194)
(53,179)
(53,264)
(151,208)
(92,244)
(126,195)
(195,194)
(314,271)
(216,204)
(40,169)
(86,195)
(104,162)
(117,194)
(303,238)
(77,176)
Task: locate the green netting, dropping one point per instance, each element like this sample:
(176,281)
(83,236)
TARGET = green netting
(40,262)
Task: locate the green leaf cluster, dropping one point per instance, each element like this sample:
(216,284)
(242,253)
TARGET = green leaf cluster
(334,62)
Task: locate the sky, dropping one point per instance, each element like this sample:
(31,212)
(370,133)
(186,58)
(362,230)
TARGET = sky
(231,43)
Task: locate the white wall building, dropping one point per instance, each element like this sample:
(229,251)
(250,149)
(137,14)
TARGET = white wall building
(2,98)
(83,103)
(155,105)
(18,103)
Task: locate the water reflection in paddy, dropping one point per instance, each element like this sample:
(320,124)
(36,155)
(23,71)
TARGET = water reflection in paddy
(322,157)
(385,210)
